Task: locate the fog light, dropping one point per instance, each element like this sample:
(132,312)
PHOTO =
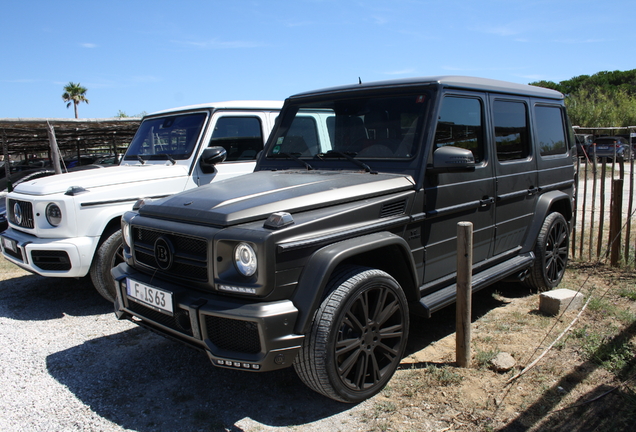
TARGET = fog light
(236,289)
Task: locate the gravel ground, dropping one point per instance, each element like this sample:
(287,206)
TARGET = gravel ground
(67,364)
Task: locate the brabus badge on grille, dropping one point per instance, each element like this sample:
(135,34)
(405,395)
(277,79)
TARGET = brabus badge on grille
(164,253)
(17,213)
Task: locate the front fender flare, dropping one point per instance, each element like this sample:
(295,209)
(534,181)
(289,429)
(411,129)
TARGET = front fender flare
(314,278)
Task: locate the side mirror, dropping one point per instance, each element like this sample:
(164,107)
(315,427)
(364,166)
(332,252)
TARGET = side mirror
(210,157)
(452,159)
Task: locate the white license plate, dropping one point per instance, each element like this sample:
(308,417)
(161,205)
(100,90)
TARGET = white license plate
(151,296)
(10,244)
(603,148)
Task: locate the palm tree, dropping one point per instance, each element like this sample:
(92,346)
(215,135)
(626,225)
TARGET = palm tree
(74,94)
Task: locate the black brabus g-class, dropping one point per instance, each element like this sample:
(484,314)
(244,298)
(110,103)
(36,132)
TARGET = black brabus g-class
(349,223)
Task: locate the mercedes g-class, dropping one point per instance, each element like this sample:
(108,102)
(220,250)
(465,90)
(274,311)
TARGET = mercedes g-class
(68,225)
(348,225)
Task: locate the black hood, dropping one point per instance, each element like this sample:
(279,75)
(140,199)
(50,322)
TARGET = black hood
(257,195)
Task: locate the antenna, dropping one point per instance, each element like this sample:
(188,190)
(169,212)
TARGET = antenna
(359,80)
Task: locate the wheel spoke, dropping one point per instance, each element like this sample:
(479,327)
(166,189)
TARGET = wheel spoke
(392,331)
(387,312)
(361,370)
(344,346)
(351,321)
(352,360)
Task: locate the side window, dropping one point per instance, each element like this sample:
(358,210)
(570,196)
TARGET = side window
(240,136)
(550,130)
(302,137)
(512,135)
(460,124)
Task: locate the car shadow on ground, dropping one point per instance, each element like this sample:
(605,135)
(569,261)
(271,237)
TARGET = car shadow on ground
(424,331)
(144,382)
(36,298)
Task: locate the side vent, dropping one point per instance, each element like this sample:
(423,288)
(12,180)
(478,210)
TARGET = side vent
(393,209)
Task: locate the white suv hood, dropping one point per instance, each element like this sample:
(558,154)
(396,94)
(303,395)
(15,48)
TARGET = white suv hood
(101,177)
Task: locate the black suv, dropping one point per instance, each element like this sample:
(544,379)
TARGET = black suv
(349,224)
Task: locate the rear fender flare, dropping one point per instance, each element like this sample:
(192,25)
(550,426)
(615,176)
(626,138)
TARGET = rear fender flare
(548,202)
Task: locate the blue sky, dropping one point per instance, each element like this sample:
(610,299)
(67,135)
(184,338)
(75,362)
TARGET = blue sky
(138,56)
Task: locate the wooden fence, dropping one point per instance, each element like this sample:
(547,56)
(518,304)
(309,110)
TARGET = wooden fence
(602,225)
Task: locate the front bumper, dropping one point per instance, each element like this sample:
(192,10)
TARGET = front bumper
(235,333)
(54,257)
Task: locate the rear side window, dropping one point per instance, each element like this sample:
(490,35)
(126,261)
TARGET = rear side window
(550,127)
(241,137)
(511,130)
(460,125)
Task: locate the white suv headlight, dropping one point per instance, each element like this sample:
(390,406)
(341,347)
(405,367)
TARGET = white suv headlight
(245,259)
(53,214)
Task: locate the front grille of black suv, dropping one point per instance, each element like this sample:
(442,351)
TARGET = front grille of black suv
(190,255)
(24,212)
(180,321)
(233,335)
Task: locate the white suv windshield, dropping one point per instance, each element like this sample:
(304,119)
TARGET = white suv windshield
(161,138)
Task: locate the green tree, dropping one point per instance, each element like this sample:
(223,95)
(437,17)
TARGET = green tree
(74,94)
(604,99)
(122,114)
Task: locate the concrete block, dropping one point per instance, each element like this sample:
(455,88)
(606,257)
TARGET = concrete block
(557,301)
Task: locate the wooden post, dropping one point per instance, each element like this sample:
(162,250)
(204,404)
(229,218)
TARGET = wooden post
(575,231)
(616,221)
(464,292)
(55,155)
(601,215)
(5,152)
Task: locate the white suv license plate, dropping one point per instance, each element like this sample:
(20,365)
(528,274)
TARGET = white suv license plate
(9,244)
(151,296)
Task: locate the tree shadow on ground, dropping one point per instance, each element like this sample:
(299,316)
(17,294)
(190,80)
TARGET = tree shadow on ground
(597,410)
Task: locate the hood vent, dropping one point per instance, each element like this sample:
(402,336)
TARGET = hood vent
(393,209)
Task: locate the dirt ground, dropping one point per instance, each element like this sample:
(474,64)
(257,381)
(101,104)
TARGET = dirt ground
(585,382)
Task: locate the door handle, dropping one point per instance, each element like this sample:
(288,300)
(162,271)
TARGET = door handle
(486,201)
(533,190)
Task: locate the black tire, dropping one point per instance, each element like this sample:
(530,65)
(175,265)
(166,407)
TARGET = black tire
(551,254)
(357,338)
(109,254)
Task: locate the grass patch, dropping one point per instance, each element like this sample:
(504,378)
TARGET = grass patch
(483,358)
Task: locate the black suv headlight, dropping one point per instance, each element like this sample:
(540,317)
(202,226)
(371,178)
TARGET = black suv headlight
(245,259)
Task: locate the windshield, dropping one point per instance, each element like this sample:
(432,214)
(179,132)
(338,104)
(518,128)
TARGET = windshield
(373,127)
(161,138)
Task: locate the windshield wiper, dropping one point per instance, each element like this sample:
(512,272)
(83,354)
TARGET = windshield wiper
(167,156)
(333,153)
(294,157)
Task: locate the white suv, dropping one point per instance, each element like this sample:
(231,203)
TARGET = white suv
(68,225)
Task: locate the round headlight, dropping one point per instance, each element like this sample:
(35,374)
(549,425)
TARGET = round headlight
(53,214)
(245,259)
(125,233)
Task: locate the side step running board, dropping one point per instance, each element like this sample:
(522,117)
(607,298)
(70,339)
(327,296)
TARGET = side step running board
(446,296)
